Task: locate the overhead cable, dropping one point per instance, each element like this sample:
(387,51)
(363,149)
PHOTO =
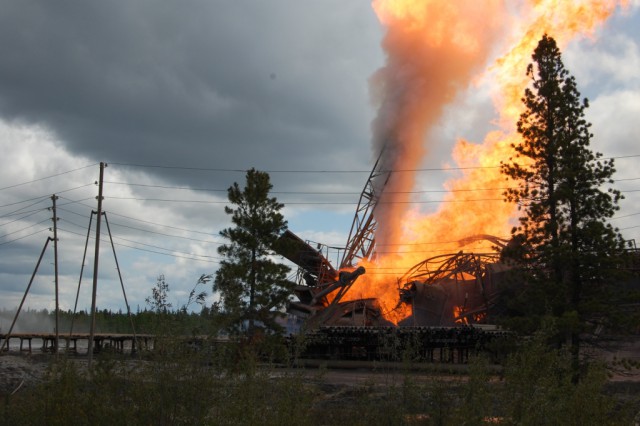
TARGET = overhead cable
(47,177)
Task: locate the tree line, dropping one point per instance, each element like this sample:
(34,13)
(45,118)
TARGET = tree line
(142,321)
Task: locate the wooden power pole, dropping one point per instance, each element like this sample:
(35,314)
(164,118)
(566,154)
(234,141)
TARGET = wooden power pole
(95,267)
(55,262)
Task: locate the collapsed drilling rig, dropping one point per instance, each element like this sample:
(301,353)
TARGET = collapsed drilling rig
(450,297)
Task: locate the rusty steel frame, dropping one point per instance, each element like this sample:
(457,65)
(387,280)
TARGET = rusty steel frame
(361,245)
(446,266)
(361,241)
(439,269)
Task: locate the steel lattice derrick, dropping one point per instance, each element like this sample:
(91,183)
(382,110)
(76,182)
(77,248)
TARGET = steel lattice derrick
(318,278)
(361,240)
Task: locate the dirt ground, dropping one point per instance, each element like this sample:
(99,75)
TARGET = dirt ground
(21,371)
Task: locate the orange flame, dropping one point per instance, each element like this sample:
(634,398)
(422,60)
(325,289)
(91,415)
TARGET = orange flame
(436,50)
(457,315)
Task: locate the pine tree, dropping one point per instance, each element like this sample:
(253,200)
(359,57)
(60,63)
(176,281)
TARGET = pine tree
(568,249)
(252,286)
(159,299)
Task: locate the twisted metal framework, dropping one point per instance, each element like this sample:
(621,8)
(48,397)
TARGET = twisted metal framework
(319,279)
(361,240)
(460,280)
(458,266)
(316,275)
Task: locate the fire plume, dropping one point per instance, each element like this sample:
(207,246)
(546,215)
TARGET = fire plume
(435,51)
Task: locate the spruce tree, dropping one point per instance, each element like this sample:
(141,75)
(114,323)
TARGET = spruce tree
(567,248)
(252,286)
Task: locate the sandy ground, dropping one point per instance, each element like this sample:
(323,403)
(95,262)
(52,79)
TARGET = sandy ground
(21,371)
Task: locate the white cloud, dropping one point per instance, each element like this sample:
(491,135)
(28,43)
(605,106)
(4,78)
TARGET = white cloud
(610,62)
(616,127)
(168,236)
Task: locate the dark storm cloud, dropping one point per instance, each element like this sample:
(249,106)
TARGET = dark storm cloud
(235,84)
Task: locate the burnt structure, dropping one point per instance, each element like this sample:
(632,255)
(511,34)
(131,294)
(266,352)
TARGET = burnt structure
(454,289)
(450,290)
(321,288)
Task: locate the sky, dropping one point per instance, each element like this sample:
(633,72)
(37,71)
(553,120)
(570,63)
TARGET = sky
(179,99)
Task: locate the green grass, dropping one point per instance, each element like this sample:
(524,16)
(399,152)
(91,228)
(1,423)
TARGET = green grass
(238,385)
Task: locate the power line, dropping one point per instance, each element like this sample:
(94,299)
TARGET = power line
(27,227)
(281,171)
(429,169)
(28,211)
(19,211)
(146,245)
(160,224)
(167,235)
(217,242)
(155,232)
(214,169)
(39,210)
(287,203)
(621,156)
(626,215)
(39,199)
(626,179)
(25,207)
(187,188)
(172,251)
(47,177)
(311,192)
(22,218)
(77,202)
(72,212)
(23,237)
(192,255)
(146,250)
(304,202)
(280,192)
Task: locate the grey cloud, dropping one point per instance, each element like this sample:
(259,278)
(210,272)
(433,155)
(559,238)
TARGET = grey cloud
(277,84)
(274,84)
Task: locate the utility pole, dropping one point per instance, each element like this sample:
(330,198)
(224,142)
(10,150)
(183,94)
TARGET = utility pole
(55,262)
(95,267)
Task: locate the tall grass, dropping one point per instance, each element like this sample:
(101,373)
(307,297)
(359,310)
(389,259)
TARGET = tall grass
(242,384)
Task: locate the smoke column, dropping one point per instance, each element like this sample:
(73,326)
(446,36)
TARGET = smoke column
(433,50)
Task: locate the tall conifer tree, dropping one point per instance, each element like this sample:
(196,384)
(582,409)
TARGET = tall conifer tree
(568,247)
(252,286)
